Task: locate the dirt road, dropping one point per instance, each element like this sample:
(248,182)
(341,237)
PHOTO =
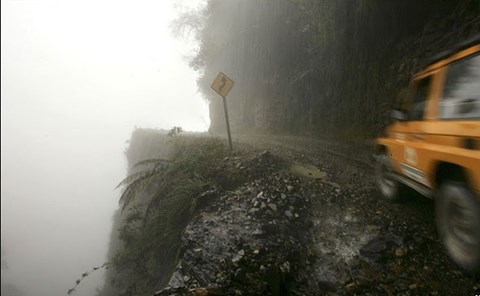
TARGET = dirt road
(313,223)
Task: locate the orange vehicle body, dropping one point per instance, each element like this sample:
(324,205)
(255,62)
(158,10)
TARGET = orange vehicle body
(418,148)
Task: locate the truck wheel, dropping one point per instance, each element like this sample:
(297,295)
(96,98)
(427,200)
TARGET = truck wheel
(458,222)
(389,187)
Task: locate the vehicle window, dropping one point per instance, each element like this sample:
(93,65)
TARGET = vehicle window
(461,99)
(419,99)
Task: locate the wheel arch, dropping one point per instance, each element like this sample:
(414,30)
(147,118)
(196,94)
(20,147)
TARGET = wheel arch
(446,171)
(380,148)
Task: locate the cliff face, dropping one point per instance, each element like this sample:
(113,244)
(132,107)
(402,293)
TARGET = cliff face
(321,67)
(169,177)
(144,144)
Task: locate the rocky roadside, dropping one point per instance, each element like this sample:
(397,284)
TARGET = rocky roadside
(251,241)
(323,230)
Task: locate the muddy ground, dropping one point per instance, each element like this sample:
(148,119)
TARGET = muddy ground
(310,221)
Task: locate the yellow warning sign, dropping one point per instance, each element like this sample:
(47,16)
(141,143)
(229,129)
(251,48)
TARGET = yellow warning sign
(222,84)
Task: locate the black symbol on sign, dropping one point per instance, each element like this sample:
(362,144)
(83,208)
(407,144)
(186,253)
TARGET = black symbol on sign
(224,81)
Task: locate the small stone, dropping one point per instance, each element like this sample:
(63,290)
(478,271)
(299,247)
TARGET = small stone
(289,187)
(376,245)
(272,206)
(200,292)
(371,228)
(256,252)
(288,214)
(238,273)
(285,267)
(399,252)
(412,286)
(296,215)
(283,196)
(238,256)
(257,232)
(351,288)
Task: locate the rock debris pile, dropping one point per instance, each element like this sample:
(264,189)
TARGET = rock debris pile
(248,241)
(278,233)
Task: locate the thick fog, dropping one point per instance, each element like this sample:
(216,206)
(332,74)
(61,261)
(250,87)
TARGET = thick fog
(77,77)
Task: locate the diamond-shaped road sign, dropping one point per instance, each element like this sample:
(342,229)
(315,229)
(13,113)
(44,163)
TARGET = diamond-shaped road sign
(222,84)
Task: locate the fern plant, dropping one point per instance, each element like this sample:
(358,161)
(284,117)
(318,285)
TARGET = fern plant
(160,197)
(136,183)
(155,177)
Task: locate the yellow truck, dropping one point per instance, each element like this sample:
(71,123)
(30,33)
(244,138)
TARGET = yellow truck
(434,147)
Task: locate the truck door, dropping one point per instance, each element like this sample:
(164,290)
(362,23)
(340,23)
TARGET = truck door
(413,160)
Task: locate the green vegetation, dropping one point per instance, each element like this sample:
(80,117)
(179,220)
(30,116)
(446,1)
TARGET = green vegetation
(72,290)
(176,130)
(158,201)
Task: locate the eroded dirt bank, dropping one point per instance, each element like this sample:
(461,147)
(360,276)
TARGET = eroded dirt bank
(320,228)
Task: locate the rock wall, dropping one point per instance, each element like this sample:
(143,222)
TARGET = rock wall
(321,67)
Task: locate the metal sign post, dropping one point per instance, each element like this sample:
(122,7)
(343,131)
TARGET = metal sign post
(228,122)
(222,85)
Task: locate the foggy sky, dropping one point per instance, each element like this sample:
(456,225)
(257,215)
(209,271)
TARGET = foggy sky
(77,77)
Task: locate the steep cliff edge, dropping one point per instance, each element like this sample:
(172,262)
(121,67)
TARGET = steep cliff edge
(158,235)
(144,144)
(271,218)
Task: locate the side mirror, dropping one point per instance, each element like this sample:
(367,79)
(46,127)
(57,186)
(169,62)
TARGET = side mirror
(398,115)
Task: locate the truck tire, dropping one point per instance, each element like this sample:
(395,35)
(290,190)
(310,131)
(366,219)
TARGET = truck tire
(388,186)
(457,211)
